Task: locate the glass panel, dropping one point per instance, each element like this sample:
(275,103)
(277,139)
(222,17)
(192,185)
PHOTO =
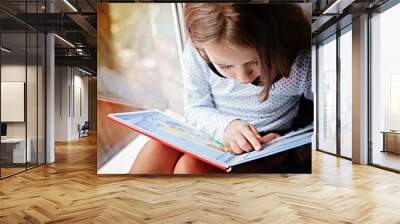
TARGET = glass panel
(13,87)
(23,82)
(31,99)
(385,88)
(31,87)
(327,96)
(41,98)
(345,94)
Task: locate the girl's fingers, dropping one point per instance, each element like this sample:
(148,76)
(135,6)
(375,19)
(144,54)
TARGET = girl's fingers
(235,148)
(269,137)
(227,147)
(243,144)
(249,135)
(254,130)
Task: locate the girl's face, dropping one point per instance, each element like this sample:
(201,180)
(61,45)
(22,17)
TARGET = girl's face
(235,62)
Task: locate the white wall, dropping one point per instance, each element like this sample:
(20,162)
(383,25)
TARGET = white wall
(61,103)
(13,73)
(70,83)
(80,100)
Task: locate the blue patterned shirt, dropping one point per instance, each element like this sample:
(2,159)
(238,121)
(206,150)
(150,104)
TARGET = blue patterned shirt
(211,102)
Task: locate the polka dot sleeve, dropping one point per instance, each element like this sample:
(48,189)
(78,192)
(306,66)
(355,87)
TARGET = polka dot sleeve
(199,109)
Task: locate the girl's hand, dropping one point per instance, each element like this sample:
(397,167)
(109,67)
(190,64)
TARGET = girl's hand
(269,137)
(241,137)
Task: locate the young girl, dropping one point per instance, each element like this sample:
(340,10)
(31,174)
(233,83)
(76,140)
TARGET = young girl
(245,68)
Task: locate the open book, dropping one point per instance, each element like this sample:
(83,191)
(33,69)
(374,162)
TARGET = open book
(182,137)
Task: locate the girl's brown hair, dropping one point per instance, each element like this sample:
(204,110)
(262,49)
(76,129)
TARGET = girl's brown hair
(277,32)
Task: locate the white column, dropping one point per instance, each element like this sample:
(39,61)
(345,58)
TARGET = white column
(360,90)
(50,99)
(50,92)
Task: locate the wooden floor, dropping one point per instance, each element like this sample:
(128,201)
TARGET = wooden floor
(69,191)
(10,171)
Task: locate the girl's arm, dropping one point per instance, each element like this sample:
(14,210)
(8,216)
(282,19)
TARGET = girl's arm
(308,93)
(302,71)
(197,97)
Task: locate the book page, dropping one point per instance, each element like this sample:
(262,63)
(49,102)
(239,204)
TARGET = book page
(283,144)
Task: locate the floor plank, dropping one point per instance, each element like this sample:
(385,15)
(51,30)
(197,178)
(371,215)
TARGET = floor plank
(70,191)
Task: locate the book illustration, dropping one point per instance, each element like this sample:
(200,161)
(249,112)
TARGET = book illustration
(189,133)
(164,125)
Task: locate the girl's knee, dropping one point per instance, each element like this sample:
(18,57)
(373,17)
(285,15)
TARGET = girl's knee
(189,165)
(155,157)
(185,165)
(154,148)
(153,145)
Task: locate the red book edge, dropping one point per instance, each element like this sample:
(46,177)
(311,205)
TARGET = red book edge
(169,145)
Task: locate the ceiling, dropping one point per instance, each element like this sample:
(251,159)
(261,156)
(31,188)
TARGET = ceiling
(332,15)
(76,22)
